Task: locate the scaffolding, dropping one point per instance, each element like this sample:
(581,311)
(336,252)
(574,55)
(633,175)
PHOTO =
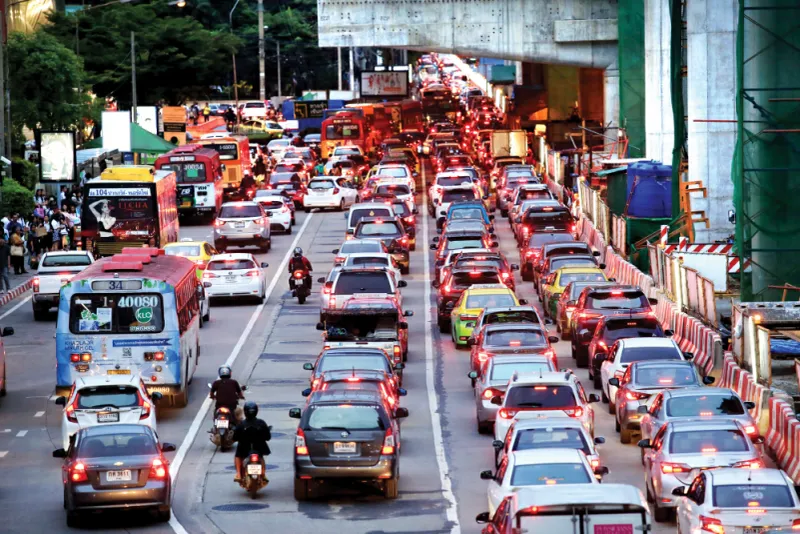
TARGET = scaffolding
(766,166)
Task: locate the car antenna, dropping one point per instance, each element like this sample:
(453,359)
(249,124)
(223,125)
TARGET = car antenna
(540,373)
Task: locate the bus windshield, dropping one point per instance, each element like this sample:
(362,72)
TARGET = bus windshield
(115,313)
(188,172)
(343,131)
(227,151)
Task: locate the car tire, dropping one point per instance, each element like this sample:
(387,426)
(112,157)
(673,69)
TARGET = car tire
(598,384)
(202,321)
(565,335)
(413,247)
(648,493)
(625,436)
(289,229)
(307,210)
(617,426)
(341,205)
(503,213)
(484,427)
(405,270)
(390,488)
(73,519)
(661,515)
(163,515)
(39,314)
(207,316)
(302,489)
(443,324)
(581,358)
(527,275)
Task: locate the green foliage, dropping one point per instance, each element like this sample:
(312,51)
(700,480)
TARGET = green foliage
(45,79)
(16,198)
(29,174)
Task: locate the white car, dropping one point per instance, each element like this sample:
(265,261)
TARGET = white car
(357,246)
(451,255)
(737,501)
(543,391)
(447,179)
(370,259)
(277,147)
(55,269)
(236,274)
(254,110)
(329,192)
(280,216)
(630,350)
(397,170)
(367,209)
(106,399)
(542,467)
(344,151)
(396,187)
(454,194)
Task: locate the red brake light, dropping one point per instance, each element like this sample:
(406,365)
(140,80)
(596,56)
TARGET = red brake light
(750,430)
(145,407)
(505,413)
(616,293)
(633,395)
(70,410)
(158,469)
(488,393)
(388,443)
(219,223)
(298,274)
(672,468)
(335,190)
(77,472)
(35,283)
(251,273)
(711,524)
(749,464)
(300,448)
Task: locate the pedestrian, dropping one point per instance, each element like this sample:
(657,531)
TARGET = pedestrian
(46,235)
(195,112)
(17,252)
(62,196)
(5,256)
(39,197)
(206,112)
(260,169)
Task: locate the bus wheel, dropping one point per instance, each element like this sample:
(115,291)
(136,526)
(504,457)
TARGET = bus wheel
(181,400)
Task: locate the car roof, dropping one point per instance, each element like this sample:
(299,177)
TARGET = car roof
(363,374)
(345,351)
(231,256)
(647,342)
(346,396)
(67,253)
(661,363)
(509,309)
(610,288)
(519,358)
(367,254)
(693,392)
(733,475)
(580,270)
(358,241)
(704,424)
(514,326)
(240,203)
(367,205)
(458,232)
(547,456)
(567,495)
(487,289)
(546,419)
(89,381)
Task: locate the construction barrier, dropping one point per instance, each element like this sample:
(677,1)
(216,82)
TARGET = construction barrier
(743,383)
(783,437)
(619,230)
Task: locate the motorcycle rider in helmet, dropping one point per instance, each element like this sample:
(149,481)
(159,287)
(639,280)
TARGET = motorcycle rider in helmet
(252,435)
(298,262)
(226,391)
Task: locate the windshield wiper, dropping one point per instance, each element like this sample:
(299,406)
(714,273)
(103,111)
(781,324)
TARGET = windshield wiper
(530,404)
(334,428)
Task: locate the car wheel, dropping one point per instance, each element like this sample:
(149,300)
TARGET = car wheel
(443,325)
(582,358)
(484,427)
(162,516)
(598,384)
(405,270)
(341,205)
(617,426)
(39,314)
(661,515)
(503,213)
(307,210)
(301,489)
(202,321)
(648,493)
(289,229)
(73,519)
(625,436)
(269,244)
(565,335)
(390,488)
(3,390)
(527,275)
(207,316)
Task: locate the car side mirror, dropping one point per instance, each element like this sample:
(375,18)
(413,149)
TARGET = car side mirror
(594,398)
(514,267)
(572,302)
(585,334)
(497,400)
(553,339)
(669,333)
(680,491)
(494,243)
(708,380)
(294,413)
(518,220)
(351,231)
(436,283)
(8,331)
(329,284)
(642,409)
(59,453)
(306,392)
(602,265)
(402,392)
(308,366)
(599,440)
(602,470)
(482,518)
(320,326)
(157,396)
(652,301)
(399,366)
(61,401)
(523,302)
(613,381)
(400,413)
(402,283)
(688,355)
(750,405)
(758,440)
(596,254)
(491,217)
(408,313)
(264,265)
(644,444)
(450,305)
(402,325)
(168,447)
(335,251)
(435,240)
(471,342)
(487,475)
(472,374)
(433,246)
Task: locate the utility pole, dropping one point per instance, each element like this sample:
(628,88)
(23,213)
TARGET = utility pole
(4,128)
(133,77)
(352,71)
(278,47)
(339,70)
(262,77)
(233,60)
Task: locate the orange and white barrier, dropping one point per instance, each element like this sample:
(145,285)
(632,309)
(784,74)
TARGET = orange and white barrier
(743,383)
(783,437)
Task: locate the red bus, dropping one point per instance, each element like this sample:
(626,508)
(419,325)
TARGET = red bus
(198,172)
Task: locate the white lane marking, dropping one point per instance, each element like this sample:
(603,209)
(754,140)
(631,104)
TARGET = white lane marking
(430,370)
(38,414)
(3,454)
(53,397)
(12,310)
(7,431)
(202,415)
(21,433)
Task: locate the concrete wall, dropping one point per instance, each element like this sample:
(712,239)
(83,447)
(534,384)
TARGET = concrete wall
(711,66)
(564,32)
(659,126)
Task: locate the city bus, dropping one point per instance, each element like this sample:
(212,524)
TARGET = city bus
(234,153)
(129,206)
(438,103)
(343,127)
(137,312)
(406,116)
(198,172)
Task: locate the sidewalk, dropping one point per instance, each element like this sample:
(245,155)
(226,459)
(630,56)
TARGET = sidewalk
(20,283)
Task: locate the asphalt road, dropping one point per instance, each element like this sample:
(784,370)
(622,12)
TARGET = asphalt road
(440,490)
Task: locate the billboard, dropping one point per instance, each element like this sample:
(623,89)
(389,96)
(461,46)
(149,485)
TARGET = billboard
(57,156)
(117,130)
(120,212)
(174,119)
(147,118)
(384,83)
(310,109)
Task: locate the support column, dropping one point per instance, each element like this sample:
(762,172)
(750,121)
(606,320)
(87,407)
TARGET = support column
(711,87)
(658,105)
(611,103)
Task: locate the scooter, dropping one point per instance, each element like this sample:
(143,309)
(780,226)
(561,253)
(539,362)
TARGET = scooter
(300,286)
(255,476)
(221,433)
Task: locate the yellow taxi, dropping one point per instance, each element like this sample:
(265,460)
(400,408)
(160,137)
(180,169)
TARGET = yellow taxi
(554,285)
(262,126)
(197,251)
(472,302)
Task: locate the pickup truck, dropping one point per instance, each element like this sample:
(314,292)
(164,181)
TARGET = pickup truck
(55,269)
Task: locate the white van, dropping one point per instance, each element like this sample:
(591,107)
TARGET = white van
(367,209)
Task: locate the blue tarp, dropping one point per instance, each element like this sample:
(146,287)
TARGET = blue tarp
(649,190)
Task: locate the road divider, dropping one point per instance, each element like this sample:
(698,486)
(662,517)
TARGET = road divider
(15,292)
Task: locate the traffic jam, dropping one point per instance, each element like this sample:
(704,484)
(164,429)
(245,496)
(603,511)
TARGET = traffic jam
(549,346)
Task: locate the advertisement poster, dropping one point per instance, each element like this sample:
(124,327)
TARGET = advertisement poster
(174,119)
(57,156)
(147,118)
(119,212)
(384,83)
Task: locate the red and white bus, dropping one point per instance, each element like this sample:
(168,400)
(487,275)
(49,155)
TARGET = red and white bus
(198,171)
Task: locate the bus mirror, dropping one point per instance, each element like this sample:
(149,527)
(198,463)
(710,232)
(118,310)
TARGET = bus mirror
(223,167)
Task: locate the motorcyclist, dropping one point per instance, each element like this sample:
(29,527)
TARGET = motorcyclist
(300,263)
(252,435)
(226,391)
(230,118)
(248,183)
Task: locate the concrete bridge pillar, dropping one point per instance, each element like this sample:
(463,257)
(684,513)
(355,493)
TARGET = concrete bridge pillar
(611,101)
(659,126)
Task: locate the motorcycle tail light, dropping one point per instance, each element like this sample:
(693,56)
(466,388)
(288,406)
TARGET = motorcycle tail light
(300,448)
(158,469)
(254,458)
(298,274)
(223,409)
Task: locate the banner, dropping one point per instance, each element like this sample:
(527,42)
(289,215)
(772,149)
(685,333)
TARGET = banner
(174,119)
(121,213)
(147,118)
(57,156)
(384,83)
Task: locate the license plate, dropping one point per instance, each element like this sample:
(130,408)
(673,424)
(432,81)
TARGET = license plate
(754,530)
(344,447)
(112,417)
(118,476)
(253,469)
(613,529)
(119,371)
(222,423)
(238,225)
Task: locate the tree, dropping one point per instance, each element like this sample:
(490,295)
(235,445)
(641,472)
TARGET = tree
(16,198)
(46,80)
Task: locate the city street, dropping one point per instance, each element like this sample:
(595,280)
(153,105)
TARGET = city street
(440,488)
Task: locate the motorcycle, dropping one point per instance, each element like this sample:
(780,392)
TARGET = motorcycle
(255,476)
(221,433)
(302,289)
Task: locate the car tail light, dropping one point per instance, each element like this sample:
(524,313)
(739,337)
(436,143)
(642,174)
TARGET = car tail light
(488,393)
(396,352)
(447,289)
(219,223)
(483,356)
(404,240)
(673,468)
(326,291)
(796,524)
(755,463)
(595,464)
(619,374)
(300,448)
(751,430)
(505,413)
(251,273)
(711,524)
(158,469)
(335,190)
(635,395)
(504,275)
(77,472)
(208,274)
(35,283)
(338,259)
(145,407)
(388,443)
(587,315)
(70,410)
(602,345)
(575,412)
(332,302)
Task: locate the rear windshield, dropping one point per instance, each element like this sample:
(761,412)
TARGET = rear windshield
(615,330)
(740,496)
(367,260)
(181,250)
(708,442)
(321,184)
(470,225)
(455,195)
(362,282)
(453,180)
(466,214)
(288,167)
(66,260)
(547,218)
(533,194)
(392,189)
(397,172)
(230,265)
(564,250)
(572,261)
(551,438)
(116,444)
(271,204)
(638,354)
(540,397)
(503,371)
(517,179)
(617,300)
(516,338)
(354,247)
(549,474)
(475,277)
(566,278)
(464,242)
(383,229)
(704,405)
(512,317)
(344,417)
(353,361)
(490,301)
(239,212)
(357,215)
(342,151)
(666,376)
(541,239)
(108,397)
(401,210)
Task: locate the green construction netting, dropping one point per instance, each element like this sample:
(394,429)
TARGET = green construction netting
(766,166)
(676,90)
(631,74)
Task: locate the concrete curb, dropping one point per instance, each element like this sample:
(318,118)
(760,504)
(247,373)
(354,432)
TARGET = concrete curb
(15,292)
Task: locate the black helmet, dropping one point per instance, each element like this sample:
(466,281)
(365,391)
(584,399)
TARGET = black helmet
(298,252)
(224,371)
(250,410)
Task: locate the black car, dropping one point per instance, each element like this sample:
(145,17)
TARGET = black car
(346,359)
(347,434)
(116,466)
(455,283)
